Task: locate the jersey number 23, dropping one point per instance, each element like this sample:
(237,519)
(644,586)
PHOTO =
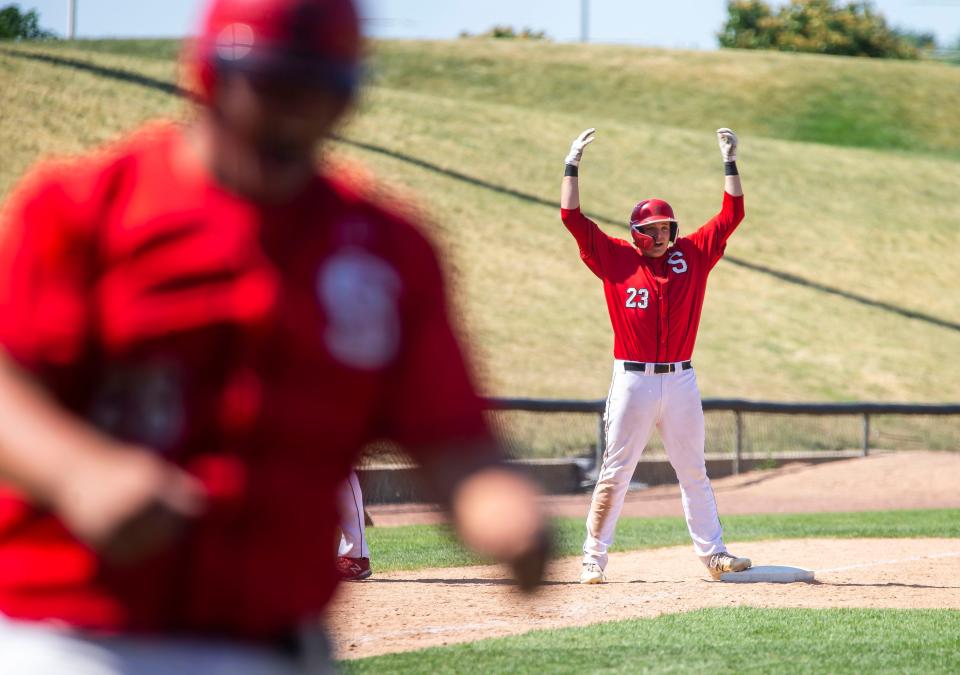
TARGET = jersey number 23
(638,298)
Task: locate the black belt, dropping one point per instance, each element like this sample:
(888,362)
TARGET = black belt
(658,368)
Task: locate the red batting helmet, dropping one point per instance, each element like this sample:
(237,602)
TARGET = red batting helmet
(314,42)
(647,212)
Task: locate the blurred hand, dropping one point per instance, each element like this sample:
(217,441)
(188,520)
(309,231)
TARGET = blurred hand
(728,144)
(579,143)
(126,502)
(498,515)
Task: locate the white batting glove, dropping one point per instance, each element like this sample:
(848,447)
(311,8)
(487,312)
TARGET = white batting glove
(576,149)
(728,144)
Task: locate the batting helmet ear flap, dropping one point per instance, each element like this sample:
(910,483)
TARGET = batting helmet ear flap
(642,241)
(674,231)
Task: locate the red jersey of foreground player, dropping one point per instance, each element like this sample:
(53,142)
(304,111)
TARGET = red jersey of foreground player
(258,347)
(655,303)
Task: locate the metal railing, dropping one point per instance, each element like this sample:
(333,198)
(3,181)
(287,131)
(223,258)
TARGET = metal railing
(738,407)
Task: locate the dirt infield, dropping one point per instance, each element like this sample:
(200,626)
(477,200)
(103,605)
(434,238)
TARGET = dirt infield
(404,611)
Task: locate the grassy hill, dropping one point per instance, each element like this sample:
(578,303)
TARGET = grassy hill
(850,169)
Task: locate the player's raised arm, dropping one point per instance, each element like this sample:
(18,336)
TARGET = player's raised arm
(728,149)
(593,243)
(712,237)
(570,187)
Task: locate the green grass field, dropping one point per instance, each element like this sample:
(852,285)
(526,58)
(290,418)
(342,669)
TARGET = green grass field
(850,168)
(422,546)
(738,640)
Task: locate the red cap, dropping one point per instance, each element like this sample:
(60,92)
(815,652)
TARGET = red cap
(316,42)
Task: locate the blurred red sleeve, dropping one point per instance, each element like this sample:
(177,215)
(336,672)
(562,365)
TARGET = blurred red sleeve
(47,259)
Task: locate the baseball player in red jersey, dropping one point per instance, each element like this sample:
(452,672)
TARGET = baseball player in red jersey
(198,332)
(654,286)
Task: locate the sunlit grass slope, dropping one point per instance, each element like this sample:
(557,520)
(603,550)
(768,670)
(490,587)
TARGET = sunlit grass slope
(878,221)
(843,101)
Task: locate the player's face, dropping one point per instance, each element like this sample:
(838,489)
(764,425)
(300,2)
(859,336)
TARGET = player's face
(660,232)
(270,129)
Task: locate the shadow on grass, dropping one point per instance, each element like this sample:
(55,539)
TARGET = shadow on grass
(102,71)
(459,582)
(173,89)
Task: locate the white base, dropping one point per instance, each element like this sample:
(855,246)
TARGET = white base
(775,574)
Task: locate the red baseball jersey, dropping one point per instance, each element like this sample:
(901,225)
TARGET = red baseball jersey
(260,347)
(655,303)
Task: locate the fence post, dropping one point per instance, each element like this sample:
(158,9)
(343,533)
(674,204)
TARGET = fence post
(738,448)
(866,434)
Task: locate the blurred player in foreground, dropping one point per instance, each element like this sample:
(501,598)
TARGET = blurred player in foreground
(654,286)
(198,332)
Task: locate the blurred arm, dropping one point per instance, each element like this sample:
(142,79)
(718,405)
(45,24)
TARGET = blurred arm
(495,509)
(121,499)
(41,446)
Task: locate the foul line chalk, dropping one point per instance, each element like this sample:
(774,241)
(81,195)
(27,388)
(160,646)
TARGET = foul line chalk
(877,563)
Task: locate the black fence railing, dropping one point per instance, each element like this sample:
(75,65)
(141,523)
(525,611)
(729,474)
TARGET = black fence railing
(737,404)
(564,439)
(739,408)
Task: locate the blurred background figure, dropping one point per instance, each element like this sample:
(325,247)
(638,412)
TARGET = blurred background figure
(199,332)
(353,555)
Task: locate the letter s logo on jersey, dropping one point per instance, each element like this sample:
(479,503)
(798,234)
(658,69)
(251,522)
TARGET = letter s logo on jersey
(677,263)
(359,293)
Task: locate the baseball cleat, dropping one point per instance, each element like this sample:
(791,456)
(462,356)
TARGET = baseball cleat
(723,562)
(592,574)
(353,569)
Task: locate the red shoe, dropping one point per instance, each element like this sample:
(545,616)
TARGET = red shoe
(353,569)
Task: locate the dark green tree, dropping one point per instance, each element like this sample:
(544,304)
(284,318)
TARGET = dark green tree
(18,25)
(508,32)
(750,25)
(853,28)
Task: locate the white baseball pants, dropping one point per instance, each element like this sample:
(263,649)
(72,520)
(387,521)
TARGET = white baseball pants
(353,533)
(637,402)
